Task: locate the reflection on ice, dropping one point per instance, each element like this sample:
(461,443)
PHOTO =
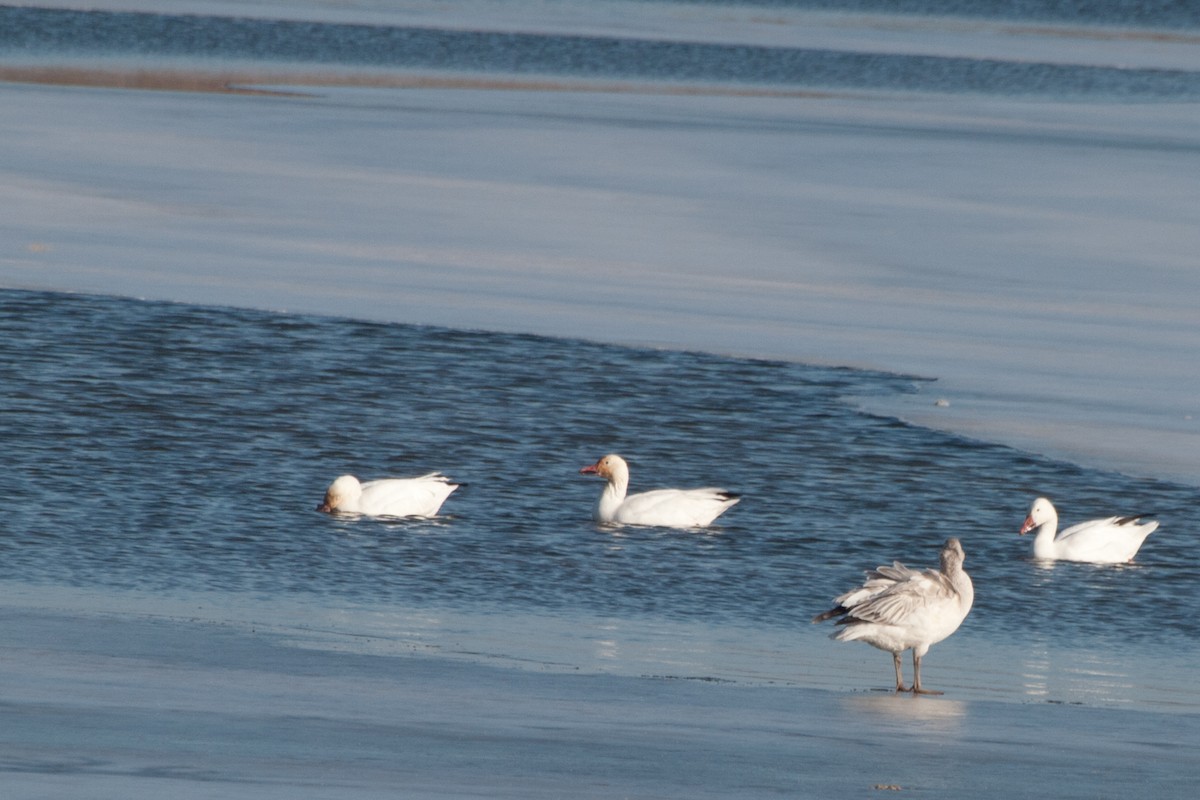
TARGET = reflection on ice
(904,707)
(608,648)
(1034,673)
(1088,678)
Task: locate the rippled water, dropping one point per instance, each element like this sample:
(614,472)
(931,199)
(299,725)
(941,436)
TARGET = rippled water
(37,31)
(1165,13)
(169,448)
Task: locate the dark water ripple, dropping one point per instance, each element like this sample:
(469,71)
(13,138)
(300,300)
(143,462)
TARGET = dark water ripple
(39,31)
(163,447)
(1147,13)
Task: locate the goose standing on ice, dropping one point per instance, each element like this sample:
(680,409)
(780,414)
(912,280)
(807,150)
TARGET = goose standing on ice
(898,609)
(1114,540)
(389,497)
(671,508)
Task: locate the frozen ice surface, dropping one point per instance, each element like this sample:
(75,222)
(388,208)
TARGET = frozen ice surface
(1036,258)
(116,703)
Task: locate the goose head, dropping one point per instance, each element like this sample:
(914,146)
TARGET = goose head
(610,467)
(1040,513)
(342,492)
(952,556)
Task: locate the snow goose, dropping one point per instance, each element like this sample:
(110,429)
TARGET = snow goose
(671,508)
(1115,540)
(389,497)
(898,609)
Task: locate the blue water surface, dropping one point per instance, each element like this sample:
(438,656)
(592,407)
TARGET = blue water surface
(165,447)
(41,32)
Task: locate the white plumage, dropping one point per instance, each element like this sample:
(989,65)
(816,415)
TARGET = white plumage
(898,609)
(1114,540)
(672,508)
(389,497)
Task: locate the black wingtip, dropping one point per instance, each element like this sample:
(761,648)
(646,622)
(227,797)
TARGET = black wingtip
(830,614)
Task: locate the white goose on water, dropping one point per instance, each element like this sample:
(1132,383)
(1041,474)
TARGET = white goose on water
(671,508)
(389,497)
(1114,540)
(898,609)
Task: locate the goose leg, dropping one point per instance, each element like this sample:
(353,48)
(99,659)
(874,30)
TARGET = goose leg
(900,687)
(916,687)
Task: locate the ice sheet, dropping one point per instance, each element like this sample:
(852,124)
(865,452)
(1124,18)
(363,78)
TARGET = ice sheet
(1036,258)
(104,704)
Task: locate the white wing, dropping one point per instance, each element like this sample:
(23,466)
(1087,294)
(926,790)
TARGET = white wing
(682,508)
(406,497)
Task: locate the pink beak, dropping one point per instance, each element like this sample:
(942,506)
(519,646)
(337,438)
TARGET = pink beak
(1028,526)
(588,470)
